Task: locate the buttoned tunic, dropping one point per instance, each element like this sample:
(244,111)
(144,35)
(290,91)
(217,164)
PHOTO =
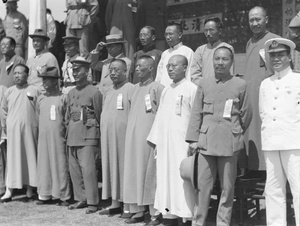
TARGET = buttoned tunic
(103,66)
(216,135)
(80,131)
(202,64)
(279,108)
(162,75)
(7,70)
(36,62)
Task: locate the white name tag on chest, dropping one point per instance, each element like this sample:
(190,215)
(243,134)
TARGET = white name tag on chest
(228,109)
(52,113)
(148,102)
(120,102)
(178,105)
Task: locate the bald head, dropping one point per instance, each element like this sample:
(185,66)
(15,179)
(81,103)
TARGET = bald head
(176,67)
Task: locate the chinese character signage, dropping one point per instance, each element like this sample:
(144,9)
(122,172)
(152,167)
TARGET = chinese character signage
(177,2)
(193,25)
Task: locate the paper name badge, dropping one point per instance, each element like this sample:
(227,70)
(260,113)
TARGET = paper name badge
(178,105)
(148,102)
(52,113)
(228,109)
(120,102)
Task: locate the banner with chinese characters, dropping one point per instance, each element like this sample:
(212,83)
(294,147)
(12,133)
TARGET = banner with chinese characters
(193,25)
(288,12)
(177,2)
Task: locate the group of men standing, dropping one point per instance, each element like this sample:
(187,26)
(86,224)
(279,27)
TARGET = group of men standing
(178,103)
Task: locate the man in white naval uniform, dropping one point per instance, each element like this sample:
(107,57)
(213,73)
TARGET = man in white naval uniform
(279,107)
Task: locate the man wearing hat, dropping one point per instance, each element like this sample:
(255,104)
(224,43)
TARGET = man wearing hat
(71,46)
(294,35)
(19,120)
(16,26)
(279,108)
(80,15)
(115,47)
(52,167)
(84,106)
(41,59)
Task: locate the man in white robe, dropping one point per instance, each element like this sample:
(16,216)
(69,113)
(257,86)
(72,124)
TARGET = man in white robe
(173,35)
(168,134)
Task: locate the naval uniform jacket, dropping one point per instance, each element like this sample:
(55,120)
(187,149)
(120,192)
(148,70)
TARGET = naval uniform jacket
(84,106)
(279,108)
(216,135)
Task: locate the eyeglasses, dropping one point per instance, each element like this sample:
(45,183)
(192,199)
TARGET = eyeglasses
(144,35)
(169,34)
(5,45)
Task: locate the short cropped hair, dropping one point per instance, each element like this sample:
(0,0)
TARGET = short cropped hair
(217,21)
(26,69)
(151,29)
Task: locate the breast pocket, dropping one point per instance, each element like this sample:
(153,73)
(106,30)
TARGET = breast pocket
(208,105)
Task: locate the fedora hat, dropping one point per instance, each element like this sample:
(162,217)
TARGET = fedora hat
(279,44)
(48,72)
(189,169)
(39,33)
(70,40)
(113,39)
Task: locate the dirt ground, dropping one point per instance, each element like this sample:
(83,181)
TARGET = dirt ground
(18,213)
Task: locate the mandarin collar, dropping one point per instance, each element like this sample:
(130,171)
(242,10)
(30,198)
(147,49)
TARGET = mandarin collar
(40,53)
(281,74)
(173,85)
(148,81)
(176,46)
(119,85)
(259,36)
(214,45)
(148,48)
(224,79)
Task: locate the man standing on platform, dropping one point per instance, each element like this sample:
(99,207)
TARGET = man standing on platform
(173,35)
(84,106)
(279,108)
(139,162)
(53,175)
(16,26)
(221,114)
(20,128)
(168,135)
(41,59)
(9,61)
(147,40)
(80,15)
(71,46)
(202,65)
(113,126)
(256,71)
(115,49)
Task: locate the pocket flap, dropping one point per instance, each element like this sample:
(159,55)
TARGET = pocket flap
(203,129)
(208,100)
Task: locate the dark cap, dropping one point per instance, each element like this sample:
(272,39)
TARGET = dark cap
(39,33)
(70,40)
